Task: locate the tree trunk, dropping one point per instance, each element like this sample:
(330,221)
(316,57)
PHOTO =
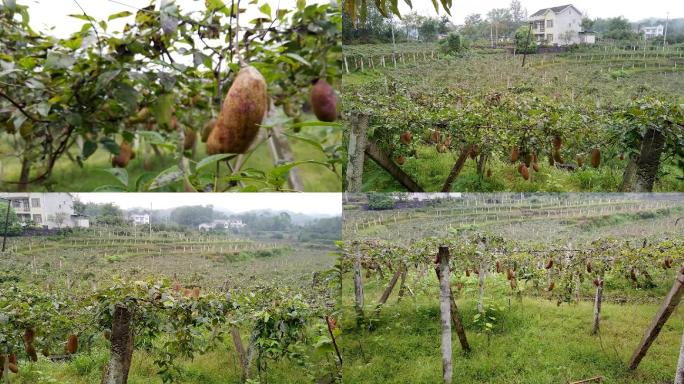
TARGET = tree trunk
(679,375)
(24,175)
(457,168)
(445,310)
(381,158)
(358,286)
(356,150)
(671,301)
(597,308)
(388,290)
(481,165)
(116,371)
(646,164)
(240,350)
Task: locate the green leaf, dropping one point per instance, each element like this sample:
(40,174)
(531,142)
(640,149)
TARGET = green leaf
(120,173)
(212,159)
(163,110)
(89,147)
(83,17)
(166,177)
(119,15)
(152,137)
(298,58)
(266,9)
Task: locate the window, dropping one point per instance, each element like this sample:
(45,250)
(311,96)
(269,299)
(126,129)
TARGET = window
(35,203)
(38,219)
(549,23)
(16,204)
(549,37)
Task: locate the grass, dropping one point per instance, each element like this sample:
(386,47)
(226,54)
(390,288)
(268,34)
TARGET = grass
(533,341)
(431,169)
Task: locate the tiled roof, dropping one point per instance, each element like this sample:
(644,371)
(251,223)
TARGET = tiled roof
(554,9)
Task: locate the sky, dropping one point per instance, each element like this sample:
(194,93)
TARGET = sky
(45,14)
(631,9)
(307,203)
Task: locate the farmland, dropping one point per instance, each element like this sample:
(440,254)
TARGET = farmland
(193,298)
(525,272)
(468,122)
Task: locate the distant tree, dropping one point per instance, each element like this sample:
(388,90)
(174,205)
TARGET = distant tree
(379,201)
(501,21)
(79,207)
(13,225)
(619,28)
(452,45)
(110,214)
(518,13)
(474,27)
(522,36)
(59,218)
(192,216)
(428,29)
(587,24)
(357,11)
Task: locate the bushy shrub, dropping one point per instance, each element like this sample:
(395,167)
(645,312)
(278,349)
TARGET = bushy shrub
(379,201)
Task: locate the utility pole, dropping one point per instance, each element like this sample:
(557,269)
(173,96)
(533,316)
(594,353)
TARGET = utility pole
(667,21)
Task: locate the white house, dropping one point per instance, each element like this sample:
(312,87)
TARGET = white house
(222,224)
(139,219)
(558,26)
(653,32)
(50,210)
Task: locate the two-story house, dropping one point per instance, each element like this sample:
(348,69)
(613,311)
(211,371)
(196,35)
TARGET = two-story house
(558,25)
(653,32)
(49,210)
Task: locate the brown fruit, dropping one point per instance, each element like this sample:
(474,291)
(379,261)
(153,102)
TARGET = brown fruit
(595,157)
(72,345)
(13,367)
(549,263)
(176,287)
(401,160)
(125,155)
(406,137)
(589,266)
(448,141)
(190,139)
(557,156)
(551,286)
(498,267)
(187,292)
(323,101)
(622,156)
(207,129)
(580,161)
(515,154)
(509,274)
(31,353)
(241,115)
(13,358)
(524,172)
(29,336)
(596,282)
(435,137)
(557,142)
(467,272)
(535,166)
(474,152)
(514,283)
(196,292)
(667,262)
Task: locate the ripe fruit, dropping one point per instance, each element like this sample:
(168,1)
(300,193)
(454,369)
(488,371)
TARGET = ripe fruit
(589,266)
(13,367)
(241,115)
(498,267)
(435,137)
(557,156)
(580,161)
(524,172)
(125,155)
(406,137)
(401,160)
(29,335)
(196,292)
(557,142)
(207,129)
(467,272)
(323,101)
(186,292)
(31,353)
(448,141)
(551,286)
(515,154)
(622,156)
(514,284)
(474,152)
(176,287)
(549,263)
(595,157)
(13,358)
(509,274)
(72,345)
(596,282)
(190,139)
(535,166)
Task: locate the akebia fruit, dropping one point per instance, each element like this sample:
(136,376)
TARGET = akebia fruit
(557,142)
(208,127)
(515,154)
(72,345)
(406,137)
(524,172)
(324,101)
(241,115)
(125,155)
(190,139)
(595,157)
(580,161)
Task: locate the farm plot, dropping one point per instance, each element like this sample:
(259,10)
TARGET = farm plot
(519,304)
(580,121)
(105,304)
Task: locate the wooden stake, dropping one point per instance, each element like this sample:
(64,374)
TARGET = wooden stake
(445,310)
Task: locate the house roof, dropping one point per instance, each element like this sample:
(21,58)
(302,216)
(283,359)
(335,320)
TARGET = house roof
(558,9)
